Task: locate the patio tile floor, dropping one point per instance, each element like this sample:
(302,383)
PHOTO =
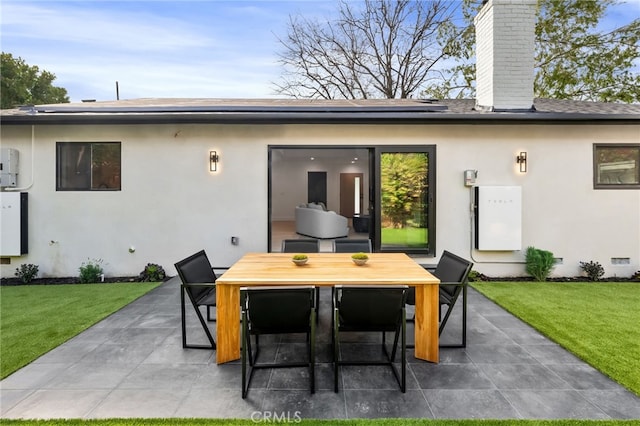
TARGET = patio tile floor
(132,364)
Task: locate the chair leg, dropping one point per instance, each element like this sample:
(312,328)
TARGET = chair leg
(312,350)
(247,354)
(464,321)
(395,345)
(317,304)
(212,342)
(464,316)
(245,387)
(400,378)
(182,318)
(403,355)
(336,350)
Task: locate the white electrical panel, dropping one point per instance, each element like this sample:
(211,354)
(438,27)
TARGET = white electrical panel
(8,167)
(13,223)
(498,218)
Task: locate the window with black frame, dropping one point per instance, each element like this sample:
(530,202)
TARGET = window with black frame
(406,210)
(616,166)
(88,166)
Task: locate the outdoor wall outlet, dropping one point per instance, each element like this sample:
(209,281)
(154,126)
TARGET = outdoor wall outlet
(235,241)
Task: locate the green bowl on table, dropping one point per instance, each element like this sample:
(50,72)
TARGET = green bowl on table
(300,259)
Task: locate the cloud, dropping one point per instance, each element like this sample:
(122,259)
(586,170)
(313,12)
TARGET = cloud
(206,49)
(110,29)
(162,48)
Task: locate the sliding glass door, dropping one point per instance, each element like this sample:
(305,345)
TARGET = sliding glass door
(386,192)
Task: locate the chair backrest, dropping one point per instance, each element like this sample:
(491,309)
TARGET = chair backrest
(352,246)
(285,309)
(300,246)
(196,269)
(452,269)
(370,307)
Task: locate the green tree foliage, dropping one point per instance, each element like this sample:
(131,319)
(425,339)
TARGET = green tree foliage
(403,186)
(574,59)
(22,84)
(373,49)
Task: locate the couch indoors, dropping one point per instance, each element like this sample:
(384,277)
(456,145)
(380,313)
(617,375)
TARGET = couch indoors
(313,220)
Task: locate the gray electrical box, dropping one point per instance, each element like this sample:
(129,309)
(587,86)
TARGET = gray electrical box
(8,167)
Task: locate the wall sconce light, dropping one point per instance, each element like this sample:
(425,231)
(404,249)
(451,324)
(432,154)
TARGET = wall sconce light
(522,161)
(213,161)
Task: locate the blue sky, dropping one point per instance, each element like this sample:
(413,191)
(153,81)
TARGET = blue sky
(162,48)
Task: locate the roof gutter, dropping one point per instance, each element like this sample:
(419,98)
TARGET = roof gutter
(315,117)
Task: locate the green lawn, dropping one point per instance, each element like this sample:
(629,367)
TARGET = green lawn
(406,237)
(35,319)
(598,322)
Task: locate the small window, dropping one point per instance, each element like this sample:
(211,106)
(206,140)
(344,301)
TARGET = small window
(88,166)
(616,166)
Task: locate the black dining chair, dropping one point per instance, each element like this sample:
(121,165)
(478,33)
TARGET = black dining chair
(453,272)
(371,309)
(352,246)
(276,310)
(199,284)
(303,245)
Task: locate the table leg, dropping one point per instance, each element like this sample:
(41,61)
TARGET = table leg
(227,323)
(426,323)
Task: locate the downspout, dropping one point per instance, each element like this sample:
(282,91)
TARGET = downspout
(33,162)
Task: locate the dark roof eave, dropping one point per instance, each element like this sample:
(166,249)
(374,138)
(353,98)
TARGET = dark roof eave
(316,118)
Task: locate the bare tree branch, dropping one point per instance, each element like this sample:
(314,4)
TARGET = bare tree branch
(374,49)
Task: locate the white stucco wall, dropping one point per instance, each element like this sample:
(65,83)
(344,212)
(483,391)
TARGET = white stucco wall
(170,205)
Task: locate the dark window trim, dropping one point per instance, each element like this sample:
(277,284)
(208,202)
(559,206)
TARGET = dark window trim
(374,179)
(59,144)
(597,185)
(431,209)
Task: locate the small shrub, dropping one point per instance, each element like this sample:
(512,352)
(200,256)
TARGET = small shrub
(539,263)
(27,272)
(476,276)
(91,271)
(594,270)
(152,272)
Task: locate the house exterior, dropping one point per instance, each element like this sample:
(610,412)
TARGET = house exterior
(130,182)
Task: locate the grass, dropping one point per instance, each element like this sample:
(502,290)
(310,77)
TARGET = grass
(408,237)
(598,322)
(35,319)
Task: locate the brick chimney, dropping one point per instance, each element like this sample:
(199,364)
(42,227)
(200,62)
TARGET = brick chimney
(505,34)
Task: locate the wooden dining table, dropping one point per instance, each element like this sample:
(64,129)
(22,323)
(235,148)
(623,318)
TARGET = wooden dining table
(326,270)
